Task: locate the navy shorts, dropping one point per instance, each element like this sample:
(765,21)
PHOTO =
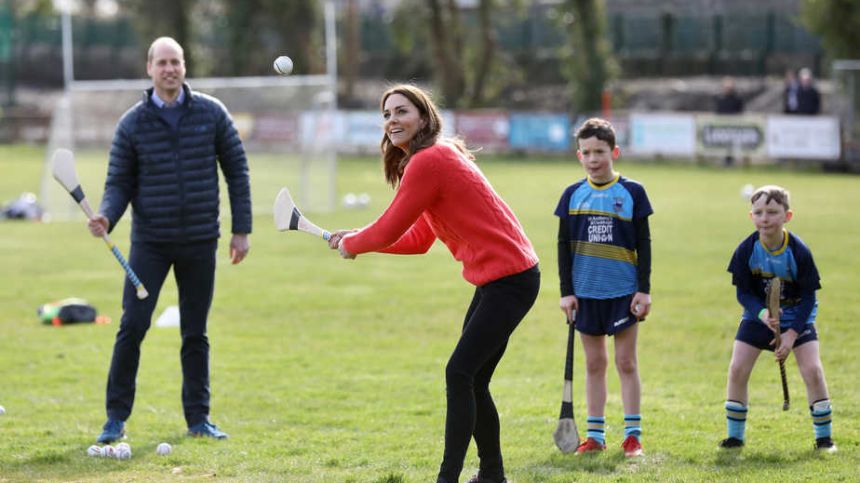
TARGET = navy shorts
(759,335)
(604,316)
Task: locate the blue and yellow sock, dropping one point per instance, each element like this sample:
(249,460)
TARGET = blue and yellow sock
(822,418)
(597,429)
(632,425)
(736,419)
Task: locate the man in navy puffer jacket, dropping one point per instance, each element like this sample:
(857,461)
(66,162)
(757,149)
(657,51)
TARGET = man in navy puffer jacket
(164,161)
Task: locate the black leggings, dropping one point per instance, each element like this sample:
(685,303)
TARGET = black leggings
(496,310)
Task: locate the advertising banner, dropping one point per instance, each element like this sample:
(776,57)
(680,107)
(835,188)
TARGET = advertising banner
(662,134)
(803,137)
(361,131)
(484,129)
(736,136)
(539,132)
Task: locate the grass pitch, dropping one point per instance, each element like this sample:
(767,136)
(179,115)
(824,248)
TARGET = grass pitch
(330,370)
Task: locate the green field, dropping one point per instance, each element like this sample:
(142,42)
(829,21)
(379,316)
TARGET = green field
(325,370)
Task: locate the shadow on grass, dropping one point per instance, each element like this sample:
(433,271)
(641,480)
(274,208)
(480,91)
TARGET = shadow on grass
(66,463)
(72,462)
(605,463)
(744,459)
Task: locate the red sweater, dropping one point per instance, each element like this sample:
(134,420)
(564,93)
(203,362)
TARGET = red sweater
(444,195)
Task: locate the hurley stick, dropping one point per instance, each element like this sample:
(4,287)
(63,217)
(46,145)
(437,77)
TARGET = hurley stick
(566,434)
(773,309)
(63,169)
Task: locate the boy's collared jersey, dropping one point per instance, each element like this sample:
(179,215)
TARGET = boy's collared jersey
(602,235)
(753,266)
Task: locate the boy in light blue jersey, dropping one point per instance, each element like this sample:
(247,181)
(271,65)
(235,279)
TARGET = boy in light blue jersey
(604,266)
(770,252)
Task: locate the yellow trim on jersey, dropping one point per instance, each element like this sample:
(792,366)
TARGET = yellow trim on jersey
(601,250)
(598,213)
(781,248)
(761,273)
(603,186)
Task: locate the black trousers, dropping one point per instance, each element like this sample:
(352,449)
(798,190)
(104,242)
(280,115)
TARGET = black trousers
(496,310)
(194,270)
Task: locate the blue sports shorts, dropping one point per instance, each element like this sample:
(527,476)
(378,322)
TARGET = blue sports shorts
(759,335)
(604,316)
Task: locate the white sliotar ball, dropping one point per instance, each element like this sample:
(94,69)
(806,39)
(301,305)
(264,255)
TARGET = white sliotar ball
(94,451)
(283,65)
(2,410)
(123,453)
(350,200)
(163,449)
(108,452)
(363,200)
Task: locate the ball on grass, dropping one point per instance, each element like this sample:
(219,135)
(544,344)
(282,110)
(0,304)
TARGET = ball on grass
(123,451)
(283,65)
(363,200)
(108,452)
(350,200)
(94,451)
(163,449)
(2,410)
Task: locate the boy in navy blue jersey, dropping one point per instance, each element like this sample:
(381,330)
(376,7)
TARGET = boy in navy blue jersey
(772,251)
(604,266)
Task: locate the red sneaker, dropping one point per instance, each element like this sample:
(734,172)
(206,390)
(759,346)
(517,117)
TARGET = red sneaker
(590,445)
(632,447)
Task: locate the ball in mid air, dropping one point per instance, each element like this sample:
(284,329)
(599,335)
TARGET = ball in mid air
(283,65)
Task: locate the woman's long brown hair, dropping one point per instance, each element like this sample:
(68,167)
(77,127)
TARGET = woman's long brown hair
(394,159)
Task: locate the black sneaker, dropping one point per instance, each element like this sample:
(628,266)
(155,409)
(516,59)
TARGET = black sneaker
(730,443)
(825,445)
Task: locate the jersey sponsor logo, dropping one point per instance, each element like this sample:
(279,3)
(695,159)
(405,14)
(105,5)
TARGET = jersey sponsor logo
(600,229)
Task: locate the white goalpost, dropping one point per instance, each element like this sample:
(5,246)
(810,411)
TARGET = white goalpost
(286,123)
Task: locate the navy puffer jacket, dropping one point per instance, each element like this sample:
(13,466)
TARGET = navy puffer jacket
(170,177)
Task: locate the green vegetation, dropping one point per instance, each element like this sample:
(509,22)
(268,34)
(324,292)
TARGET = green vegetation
(330,370)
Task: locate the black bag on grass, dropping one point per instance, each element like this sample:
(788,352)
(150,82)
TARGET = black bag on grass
(67,311)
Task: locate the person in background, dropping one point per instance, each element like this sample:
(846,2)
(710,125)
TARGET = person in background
(808,97)
(164,162)
(789,96)
(728,101)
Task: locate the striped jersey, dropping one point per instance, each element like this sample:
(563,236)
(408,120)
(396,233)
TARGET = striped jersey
(753,266)
(603,235)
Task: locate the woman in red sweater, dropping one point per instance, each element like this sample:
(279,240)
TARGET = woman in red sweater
(442,194)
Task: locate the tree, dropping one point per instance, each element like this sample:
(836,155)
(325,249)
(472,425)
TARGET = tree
(465,63)
(838,24)
(159,18)
(447,39)
(590,64)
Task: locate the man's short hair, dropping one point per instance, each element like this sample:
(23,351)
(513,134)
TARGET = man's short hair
(164,40)
(599,128)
